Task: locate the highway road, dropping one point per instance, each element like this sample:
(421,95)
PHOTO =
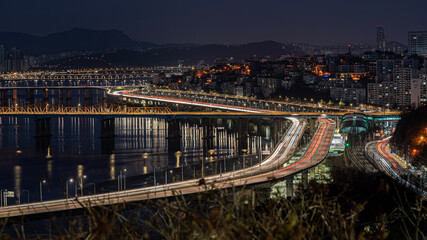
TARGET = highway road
(128,93)
(377,151)
(241,104)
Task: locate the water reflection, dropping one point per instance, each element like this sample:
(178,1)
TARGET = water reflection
(77,149)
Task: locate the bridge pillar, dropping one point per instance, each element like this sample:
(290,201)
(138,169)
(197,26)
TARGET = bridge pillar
(15,97)
(30,96)
(46,94)
(174,135)
(107,128)
(277,129)
(290,186)
(60,96)
(243,136)
(3,98)
(101,95)
(68,97)
(312,125)
(208,136)
(88,96)
(42,128)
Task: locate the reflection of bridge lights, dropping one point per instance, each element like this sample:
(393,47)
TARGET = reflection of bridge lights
(48,156)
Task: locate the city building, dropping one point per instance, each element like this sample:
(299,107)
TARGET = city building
(375,94)
(384,70)
(380,38)
(417,43)
(402,74)
(415,92)
(419,88)
(348,94)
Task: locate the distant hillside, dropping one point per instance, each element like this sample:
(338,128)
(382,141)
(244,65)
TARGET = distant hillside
(187,55)
(76,39)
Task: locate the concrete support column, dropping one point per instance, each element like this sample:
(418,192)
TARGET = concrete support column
(101,95)
(45,94)
(174,135)
(60,97)
(208,136)
(15,97)
(3,98)
(107,128)
(68,97)
(243,136)
(88,96)
(30,96)
(42,128)
(276,129)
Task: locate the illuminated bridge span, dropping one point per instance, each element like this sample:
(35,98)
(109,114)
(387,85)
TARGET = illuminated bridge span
(45,110)
(233,103)
(111,110)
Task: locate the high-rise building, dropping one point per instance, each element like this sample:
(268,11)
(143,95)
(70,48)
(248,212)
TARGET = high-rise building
(380,38)
(417,43)
(402,79)
(384,70)
(403,73)
(419,88)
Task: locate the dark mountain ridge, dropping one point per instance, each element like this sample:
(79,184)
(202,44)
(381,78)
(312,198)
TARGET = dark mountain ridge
(76,39)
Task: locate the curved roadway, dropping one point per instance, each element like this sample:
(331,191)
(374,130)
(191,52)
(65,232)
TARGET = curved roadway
(389,165)
(270,168)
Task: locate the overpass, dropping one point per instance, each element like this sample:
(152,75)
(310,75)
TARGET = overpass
(111,110)
(229,103)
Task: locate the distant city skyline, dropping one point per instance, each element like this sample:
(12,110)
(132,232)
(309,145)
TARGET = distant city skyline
(223,22)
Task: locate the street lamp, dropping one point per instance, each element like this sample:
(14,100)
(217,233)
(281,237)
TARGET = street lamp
(66,186)
(81,183)
(41,190)
(121,180)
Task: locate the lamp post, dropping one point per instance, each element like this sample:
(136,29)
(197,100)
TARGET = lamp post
(121,180)
(81,183)
(41,190)
(66,186)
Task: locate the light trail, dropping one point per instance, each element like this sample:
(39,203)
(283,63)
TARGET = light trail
(128,93)
(379,153)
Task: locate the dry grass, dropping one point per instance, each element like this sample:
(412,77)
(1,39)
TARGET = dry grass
(315,213)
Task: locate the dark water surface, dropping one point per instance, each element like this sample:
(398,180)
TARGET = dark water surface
(76,151)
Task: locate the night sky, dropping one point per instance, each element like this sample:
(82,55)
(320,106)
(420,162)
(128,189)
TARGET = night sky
(220,21)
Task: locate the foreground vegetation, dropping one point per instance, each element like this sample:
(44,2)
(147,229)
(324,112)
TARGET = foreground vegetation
(374,208)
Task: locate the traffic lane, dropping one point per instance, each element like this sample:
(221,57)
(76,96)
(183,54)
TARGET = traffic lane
(189,102)
(319,146)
